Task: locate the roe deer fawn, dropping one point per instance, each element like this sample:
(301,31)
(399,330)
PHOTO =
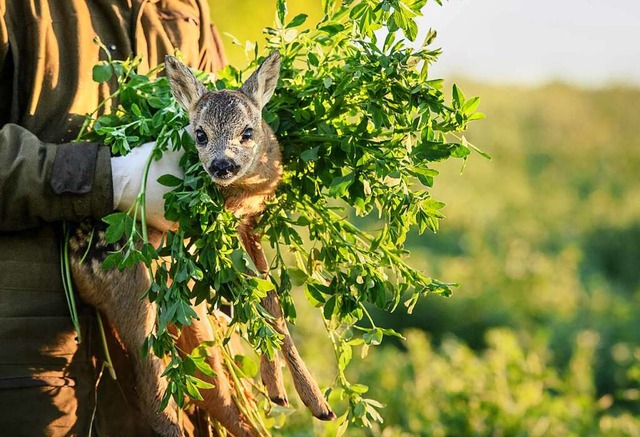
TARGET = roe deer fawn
(241,154)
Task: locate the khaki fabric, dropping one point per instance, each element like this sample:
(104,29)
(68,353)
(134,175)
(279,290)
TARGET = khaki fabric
(46,57)
(43,182)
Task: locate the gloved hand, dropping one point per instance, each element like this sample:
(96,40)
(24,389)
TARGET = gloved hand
(127,179)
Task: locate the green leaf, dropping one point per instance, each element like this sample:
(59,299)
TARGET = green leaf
(411,30)
(424,175)
(359,388)
(329,308)
(314,295)
(247,365)
(184,313)
(460,151)
(399,19)
(167,315)
(264,285)
(166,397)
(458,97)
(201,364)
(476,116)
(340,184)
(169,180)
(114,218)
(297,20)
(237,258)
(310,154)
(392,333)
(281,10)
(101,72)
(313,59)
(345,355)
(429,37)
(471,105)
(136,110)
(202,384)
(373,337)
(298,276)
(111,261)
(192,389)
(115,231)
(358,10)
(332,28)
(342,425)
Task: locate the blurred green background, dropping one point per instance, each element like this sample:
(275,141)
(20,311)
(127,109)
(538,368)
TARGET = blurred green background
(543,336)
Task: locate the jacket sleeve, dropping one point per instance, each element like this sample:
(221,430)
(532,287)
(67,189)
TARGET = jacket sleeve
(42,182)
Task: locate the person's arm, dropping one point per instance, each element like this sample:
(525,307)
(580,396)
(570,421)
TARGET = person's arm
(42,182)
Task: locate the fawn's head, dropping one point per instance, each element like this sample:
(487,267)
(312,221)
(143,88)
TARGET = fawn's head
(227,124)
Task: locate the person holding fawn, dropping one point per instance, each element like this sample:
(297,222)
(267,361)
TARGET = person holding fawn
(47,51)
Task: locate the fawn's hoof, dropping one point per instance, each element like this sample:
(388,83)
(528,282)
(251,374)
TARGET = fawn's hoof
(329,415)
(283,402)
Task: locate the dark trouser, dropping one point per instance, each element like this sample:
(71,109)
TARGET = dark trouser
(47,380)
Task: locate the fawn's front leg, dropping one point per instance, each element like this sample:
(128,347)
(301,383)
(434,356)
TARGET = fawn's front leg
(304,382)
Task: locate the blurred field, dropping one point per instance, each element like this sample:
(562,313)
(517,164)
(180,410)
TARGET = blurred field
(545,240)
(244,20)
(543,336)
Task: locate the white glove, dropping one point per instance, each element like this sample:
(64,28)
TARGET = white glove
(127,173)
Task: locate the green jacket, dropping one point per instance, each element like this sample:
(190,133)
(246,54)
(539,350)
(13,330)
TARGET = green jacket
(46,58)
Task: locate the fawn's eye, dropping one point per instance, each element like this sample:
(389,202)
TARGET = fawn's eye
(201,137)
(247,135)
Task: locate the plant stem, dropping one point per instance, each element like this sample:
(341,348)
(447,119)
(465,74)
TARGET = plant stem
(107,356)
(67,282)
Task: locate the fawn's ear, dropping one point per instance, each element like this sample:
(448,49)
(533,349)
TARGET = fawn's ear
(184,86)
(262,83)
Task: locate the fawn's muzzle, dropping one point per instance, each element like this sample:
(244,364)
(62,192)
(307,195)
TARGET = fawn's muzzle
(223,168)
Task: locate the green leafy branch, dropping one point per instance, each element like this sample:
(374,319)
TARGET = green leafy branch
(360,124)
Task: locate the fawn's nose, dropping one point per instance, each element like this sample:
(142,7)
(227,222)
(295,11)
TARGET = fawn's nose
(223,168)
